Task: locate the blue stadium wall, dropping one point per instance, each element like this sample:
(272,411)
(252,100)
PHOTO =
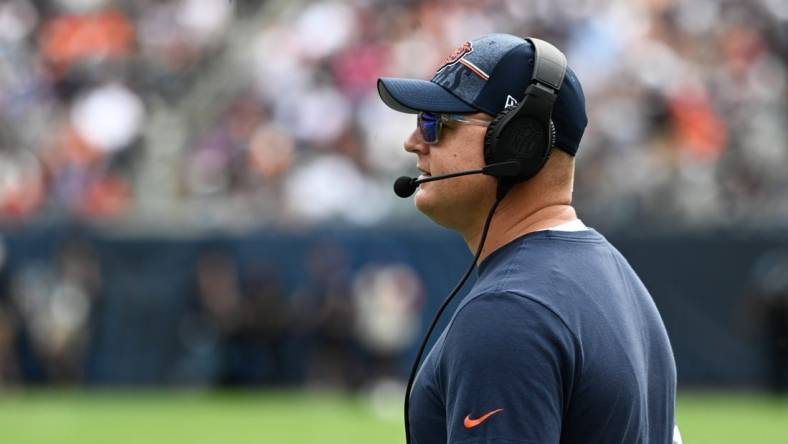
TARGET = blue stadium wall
(701,284)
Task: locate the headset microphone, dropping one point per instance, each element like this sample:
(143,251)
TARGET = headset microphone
(405,186)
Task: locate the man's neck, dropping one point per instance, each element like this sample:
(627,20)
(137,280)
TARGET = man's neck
(510,223)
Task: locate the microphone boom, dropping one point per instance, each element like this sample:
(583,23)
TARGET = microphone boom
(405,186)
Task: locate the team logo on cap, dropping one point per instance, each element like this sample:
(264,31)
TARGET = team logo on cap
(465,48)
(459,56)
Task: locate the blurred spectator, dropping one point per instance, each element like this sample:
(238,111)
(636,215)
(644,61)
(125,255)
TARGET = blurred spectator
(56,306)
(219,154)
(388,301)
(22,189)
(208,333)
(68,39)
(219,292)
(267,326)
(324,320)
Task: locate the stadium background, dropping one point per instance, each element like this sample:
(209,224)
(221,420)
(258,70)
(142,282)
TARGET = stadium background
(200,242)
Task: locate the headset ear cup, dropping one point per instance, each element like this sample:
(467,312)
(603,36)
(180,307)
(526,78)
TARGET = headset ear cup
(490,142)
(522,138)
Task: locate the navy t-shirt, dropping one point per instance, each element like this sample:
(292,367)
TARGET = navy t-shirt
(558,342)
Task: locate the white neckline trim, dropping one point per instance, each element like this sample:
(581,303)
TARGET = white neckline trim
(575,225)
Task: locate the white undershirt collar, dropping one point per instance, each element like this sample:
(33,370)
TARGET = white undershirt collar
(575,225)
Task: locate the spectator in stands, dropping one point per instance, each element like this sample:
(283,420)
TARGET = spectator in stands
(56,304)
(324,320)
(387,301)
(267,322)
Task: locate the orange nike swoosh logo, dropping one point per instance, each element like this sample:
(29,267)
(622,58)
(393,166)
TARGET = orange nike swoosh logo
(471,423)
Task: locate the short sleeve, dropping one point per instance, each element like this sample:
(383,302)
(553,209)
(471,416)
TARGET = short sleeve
(506,370)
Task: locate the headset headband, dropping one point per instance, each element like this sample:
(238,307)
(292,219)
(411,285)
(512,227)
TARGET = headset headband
(549,64)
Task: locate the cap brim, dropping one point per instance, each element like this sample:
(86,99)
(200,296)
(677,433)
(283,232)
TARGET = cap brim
(415,95)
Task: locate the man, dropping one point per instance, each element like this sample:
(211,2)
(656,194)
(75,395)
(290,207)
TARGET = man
(558,341)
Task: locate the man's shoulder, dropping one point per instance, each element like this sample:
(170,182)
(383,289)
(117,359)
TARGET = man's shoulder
(535,254)
(566,279)
(554,268)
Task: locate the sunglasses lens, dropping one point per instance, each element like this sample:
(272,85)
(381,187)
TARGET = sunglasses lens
(429,127)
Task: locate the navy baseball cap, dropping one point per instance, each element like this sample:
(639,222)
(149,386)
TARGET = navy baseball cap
(486,75)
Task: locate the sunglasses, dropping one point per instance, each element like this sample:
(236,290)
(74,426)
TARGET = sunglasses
(431,124)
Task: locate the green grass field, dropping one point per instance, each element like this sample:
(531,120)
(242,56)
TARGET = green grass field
(230,418)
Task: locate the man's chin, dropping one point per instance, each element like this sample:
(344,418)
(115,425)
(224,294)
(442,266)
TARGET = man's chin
(425,202)
(430,205)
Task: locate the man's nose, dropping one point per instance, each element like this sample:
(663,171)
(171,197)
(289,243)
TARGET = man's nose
(415,144)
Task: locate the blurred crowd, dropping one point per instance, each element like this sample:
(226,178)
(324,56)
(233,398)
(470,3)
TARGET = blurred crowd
(246,113)
(233,323)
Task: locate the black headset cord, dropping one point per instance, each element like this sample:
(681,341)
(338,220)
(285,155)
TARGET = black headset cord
(414,370)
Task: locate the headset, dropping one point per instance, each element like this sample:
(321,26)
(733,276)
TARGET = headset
(525,131)
(522,134)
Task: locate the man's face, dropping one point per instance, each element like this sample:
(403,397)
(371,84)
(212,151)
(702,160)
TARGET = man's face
(457,202)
